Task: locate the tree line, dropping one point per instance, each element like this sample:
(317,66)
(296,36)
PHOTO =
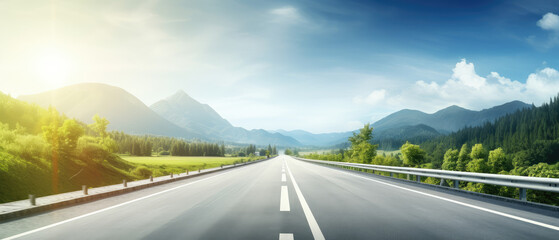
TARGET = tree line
(524,143)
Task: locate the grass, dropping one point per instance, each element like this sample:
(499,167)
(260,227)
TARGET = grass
(174,164)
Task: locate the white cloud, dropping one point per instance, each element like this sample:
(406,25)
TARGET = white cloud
(374,98)
(549,21)
(287,14)
(544,83)
(465,74)
(468,89)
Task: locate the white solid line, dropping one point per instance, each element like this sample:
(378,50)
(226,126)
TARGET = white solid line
(283,177)
(284,200)
(109,208)
(315,229)
(286,236)
(556,228)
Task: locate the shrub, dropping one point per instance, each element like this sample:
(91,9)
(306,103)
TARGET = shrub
(142,172)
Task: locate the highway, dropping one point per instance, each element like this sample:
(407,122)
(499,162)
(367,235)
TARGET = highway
(284,198)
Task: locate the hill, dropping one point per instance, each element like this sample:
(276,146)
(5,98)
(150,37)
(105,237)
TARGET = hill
(124,111)
(450,119)
(184,111)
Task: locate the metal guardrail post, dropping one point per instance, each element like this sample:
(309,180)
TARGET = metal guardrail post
(457,184)
(32,199)
(186,171)
(408,176)
(151,178)
(124,183)
(418,178)
(522,193)
(84,189)
(391,174)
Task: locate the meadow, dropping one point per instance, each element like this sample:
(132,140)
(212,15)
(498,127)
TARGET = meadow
(163,165)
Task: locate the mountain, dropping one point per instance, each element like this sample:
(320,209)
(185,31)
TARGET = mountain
(413,125)
(190,114)
(450,119)
(124,111)
(311,139)
(199,118)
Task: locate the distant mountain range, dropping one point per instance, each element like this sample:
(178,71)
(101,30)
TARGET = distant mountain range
(450,119)
(188,113)
(124,111)
(414,125)
(179,115)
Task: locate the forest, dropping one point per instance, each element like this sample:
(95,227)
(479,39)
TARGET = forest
(524,143)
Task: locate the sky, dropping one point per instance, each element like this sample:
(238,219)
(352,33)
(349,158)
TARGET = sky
(320,66)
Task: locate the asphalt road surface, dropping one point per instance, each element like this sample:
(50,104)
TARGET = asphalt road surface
(284,198)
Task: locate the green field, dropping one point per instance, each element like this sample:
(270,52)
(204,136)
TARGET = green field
(173,164)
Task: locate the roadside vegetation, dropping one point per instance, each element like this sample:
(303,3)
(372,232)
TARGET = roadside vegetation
(525,143)
(164,165)
(43,152)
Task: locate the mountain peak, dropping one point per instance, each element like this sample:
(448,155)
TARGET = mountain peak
(182,97)
(453,108)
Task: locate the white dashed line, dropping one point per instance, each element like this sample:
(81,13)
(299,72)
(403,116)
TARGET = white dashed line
(283,178)
(286,236)
(284,200)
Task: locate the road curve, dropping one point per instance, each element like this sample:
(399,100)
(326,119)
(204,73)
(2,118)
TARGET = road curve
(284,198)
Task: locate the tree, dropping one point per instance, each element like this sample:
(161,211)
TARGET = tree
(413,154)
(361,148)
(477,165)
(288,152)
(463,158)
(99,125)
(497,161)
(51,136)
(478,152)
(450,159)
(69,134)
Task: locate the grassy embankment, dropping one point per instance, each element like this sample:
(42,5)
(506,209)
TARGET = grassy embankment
(164,165)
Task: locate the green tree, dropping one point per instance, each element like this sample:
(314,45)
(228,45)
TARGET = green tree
(478,152)
(413,154)
(478,165)
(288,152)
(497,161)
(361,148)
(99,125)
(450,159)
(69,134)
(463,158)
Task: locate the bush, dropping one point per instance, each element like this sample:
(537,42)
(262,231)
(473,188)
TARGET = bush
(142,172)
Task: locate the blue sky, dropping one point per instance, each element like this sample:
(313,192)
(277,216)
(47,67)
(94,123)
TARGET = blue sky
(320,66)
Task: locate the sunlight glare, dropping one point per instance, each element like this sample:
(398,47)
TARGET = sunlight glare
(52,66)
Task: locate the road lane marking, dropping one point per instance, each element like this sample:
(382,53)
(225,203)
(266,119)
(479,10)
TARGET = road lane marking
(286,236)
(545,225)
(284,200)
(109,208)
(315,229)
(283,179)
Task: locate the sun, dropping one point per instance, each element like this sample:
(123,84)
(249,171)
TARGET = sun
(52,65)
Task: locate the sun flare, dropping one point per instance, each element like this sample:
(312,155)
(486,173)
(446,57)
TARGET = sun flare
(52,65)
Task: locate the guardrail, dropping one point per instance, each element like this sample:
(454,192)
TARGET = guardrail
(520,182)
